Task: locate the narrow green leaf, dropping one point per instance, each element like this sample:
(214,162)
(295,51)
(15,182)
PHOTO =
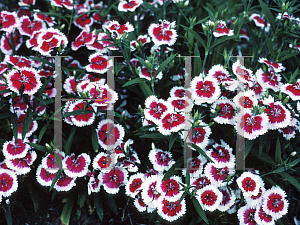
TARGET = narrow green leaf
(146,89)
(278,152)
(55,179)
(67,147)
(197,61)
(38,147)
(7,215)
(210,13)
(118,68)
(291,179)
(163,65)
(187,176)
(292,78)
(172,140)
(270,47)
(154,136)
(77,112)
(5,115)
(43,130)
(111,203)
(268,14)
(14,121)
(95,143)
(135,81)
(199,209)
(223,39)
(262,140)
(4,91)
(98,206)
(248,146)
(198,38)
(57,15)
(263,157)
(279,222)
(294,162)
(177,165)
(141,61)
(34,197)
(26,123)
(81,200)
(288,56)
(198,149)
(67,210)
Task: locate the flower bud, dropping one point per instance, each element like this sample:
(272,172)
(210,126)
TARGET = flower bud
(186,3)
(286,99)
(293,27)
(280,96)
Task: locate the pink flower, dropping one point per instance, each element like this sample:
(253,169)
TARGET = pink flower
(22,165)
(269,79)
(179,104)
(120,30)
(246,215)
(84,22)
(209,197)
(102,161)
(261,217)
(125,6)
(93,185)
(43,176)
(228,199)
(171,210)
(218,175)
(206,90)
(260,22)
(26,2)
(9,21)
(251,126)
(220,73)
(60,3)
(161,160)
(226,112)
(64,183)
(163,33)
(84,38)
(43,17)
(243,74)
(14,150)
(150,193)
(289,131)
(8,182)
(222,30)
(154,108)
(33,125)
(109,134)
(50,162)
(221,155)
(200,135)
(76,167)
(145,73)
(177,92)
(113,179)
(27,26)
(98,63)
(274,202)
(200,182)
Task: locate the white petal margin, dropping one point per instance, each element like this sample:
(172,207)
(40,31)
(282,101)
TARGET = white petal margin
(8,175)
(160,210)
(253,178)
(201,193)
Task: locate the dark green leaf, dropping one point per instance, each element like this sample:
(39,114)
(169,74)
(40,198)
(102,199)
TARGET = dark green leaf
(210,13)
(26,123)
(263,157)
(5,115)
(248,146)
(95,140)
(268,14)
(145,89)
(38,147)
(14,121)
(197,61)
(98,206)
(43,130)
(262,140)
(141,61)
(55,179)
(67,210)
(198,149)
(223,39)
(172,140)
(135,81)
(292,79)
(199,209)
(118,68)
(269,44)
(291,179)
(7,215)
(198,38)
(278,152)
(173,169)
(288,56)
(5,91)
(34,197)
(154,136)
(112,204)
(70,140)
(81,200)
(163,65)
(294,162)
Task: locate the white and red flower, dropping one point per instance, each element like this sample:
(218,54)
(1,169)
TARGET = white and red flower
(289,131)
(130,5)
(260,22)
(251,126)
(134,184)
(293,90)
(113,179)
(171,210)
(15,149)
(26,2)
(44,17)
(51,162)
(274,202)
(221,155)
(180,104)
(246,215)
(209,197)
(84,21)
(199,182)
(43,176)
(261,217)
(226,112)
(154,108)
(115,28)
(109,134)
(139,203)
(102,161)
(218,175)
(60,3)
(145,73)
(222,30)
(161,160)
(64,182)
(220,73)
(76,167)
(195,166)
(8,182)
(84,38)
(163,33)
(6,38)
(246,100)
(93,185)
(84,119)
(8,21)
(27,77)
(150,192)
(276,66)
(249,183)
(200,135)
(243,74)
(228,199)
(171,122)
(22,165)
(269,79)
(170,188)
(27,27)
(205,91)
(98,63)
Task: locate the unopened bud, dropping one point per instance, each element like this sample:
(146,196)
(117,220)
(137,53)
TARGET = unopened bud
(286,99)
(280,96)
(293,153)
(293,27)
